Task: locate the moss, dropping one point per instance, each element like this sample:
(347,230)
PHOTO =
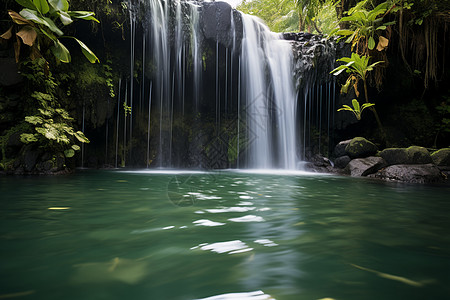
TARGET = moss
(89,74)
(360,147)
(441,157)
(412,155)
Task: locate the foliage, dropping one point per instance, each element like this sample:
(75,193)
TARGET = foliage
(40,24)
(279,15)
(107,70)
(293,15)
(365,27)
(307,10)
(358,67)
(51,125)
(357,109)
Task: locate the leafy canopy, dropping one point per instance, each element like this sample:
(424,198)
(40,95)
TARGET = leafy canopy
(45,19)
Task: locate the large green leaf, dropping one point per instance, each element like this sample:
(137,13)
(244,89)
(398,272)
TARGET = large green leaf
(341,68)
(356,106)
(41,6)
(52,26)
(33,16)
(60,5)
(60,52)
(371,44)
(27,4)
(344,32)
(85,15)
(65,18)
(87,52)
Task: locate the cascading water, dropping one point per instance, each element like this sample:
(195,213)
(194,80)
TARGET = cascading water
(223,91)
(270,96)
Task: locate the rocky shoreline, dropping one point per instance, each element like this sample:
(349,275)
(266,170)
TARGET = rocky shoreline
(359,157)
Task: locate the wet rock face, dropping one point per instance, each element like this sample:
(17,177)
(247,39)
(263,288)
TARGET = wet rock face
(314,57)
(217,21)
(427,173)
(365,166)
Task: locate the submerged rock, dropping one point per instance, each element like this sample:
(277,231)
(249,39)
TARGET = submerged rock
(407,156)
(359,147)
(365,166)
(427,173)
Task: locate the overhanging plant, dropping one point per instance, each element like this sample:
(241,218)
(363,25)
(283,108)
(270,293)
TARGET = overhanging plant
(39,24)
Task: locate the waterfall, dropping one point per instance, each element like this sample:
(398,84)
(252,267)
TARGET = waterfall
(270,96)
(224,91)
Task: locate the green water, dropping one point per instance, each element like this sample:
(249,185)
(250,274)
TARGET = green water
(137,235)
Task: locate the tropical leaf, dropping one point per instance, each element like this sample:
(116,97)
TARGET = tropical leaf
(41,6)
(65,18)
(85,15)
(356,106)
(52,26)
(18,19)
(87,52)
(60,5)
(27,4)
(345,32)
(8,34)
(382,43)
(60,52)
(28,35)
(371,43)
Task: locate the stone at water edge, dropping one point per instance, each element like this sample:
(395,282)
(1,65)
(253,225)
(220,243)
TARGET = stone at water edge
(427,173)
(441,157)
(339,150)
(413,155)
(365,166)
(359,147)
(342,161)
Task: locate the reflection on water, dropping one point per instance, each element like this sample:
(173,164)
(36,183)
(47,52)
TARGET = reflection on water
(223,235)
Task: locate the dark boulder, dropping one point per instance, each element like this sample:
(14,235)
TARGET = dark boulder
(339,150)
(359,147)
(441,157)
(30,158)
(342,162)
(406,156)
(365,166)
(427,173)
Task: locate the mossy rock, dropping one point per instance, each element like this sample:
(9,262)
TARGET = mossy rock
(359,147)
(441,157)
(413,155)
